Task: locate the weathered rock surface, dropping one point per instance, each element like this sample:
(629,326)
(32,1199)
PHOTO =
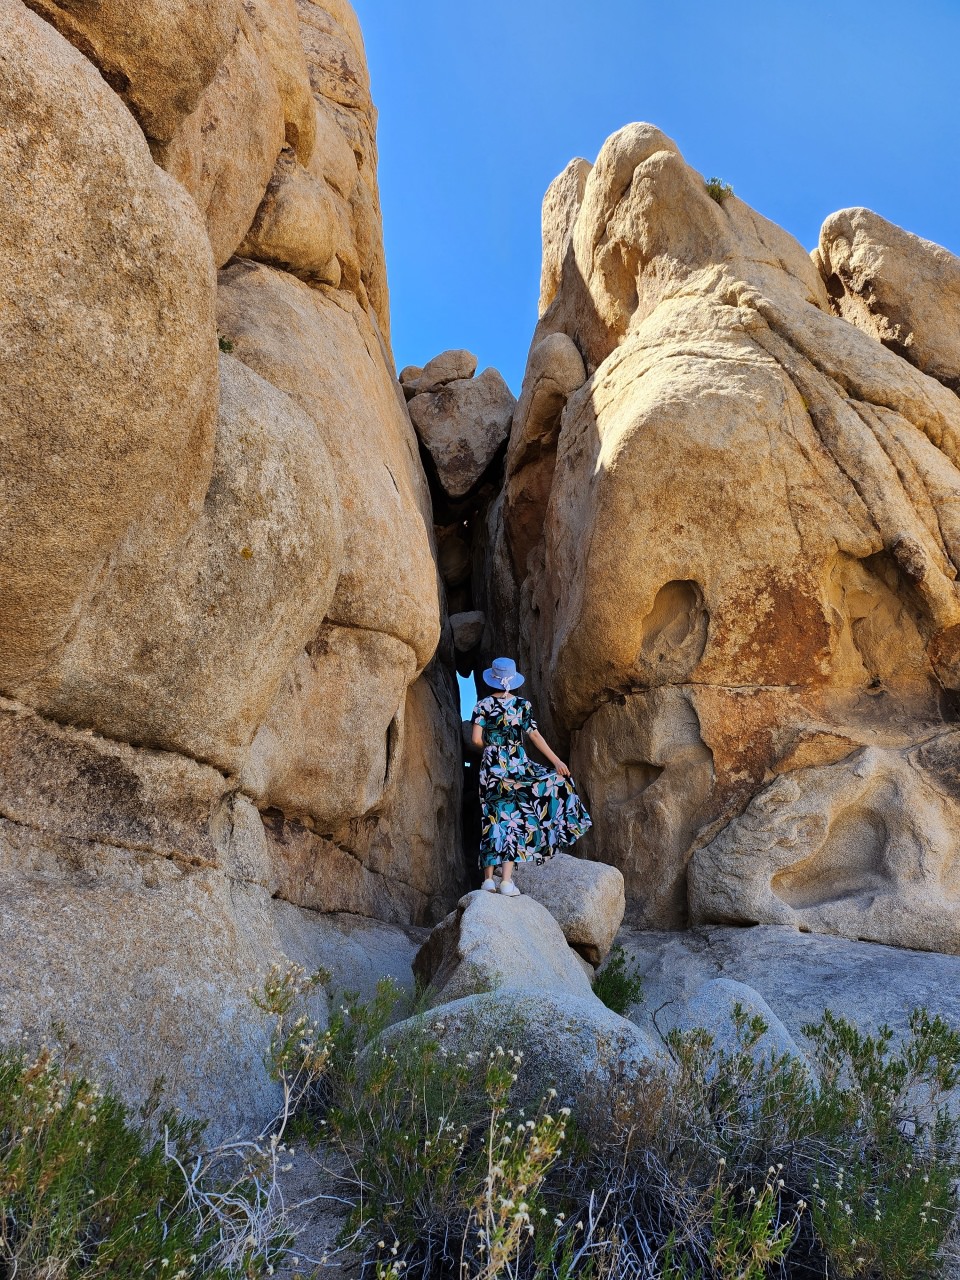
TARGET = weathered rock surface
(225,150)
(735,553)
(573,1044)
(448,366)
(864,848)
(462,423)
(797,975)
(137,909)
(585,898)
(109,394)
(163,652)
(903,290)
(720,1006)
(467,629)
(234,581)
(159,55)
(493,943)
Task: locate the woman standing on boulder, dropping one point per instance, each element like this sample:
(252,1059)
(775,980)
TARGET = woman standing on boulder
(529,812)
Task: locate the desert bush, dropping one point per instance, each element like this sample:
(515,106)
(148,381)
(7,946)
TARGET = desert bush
(730,1164)
(718,190)
(619,983)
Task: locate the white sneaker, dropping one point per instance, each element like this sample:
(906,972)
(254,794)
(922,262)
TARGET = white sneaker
(509,889)
(489,885)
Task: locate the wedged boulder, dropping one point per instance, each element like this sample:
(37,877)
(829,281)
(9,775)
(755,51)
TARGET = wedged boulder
(448,366)
(734,550)
(585,898)
(865,848)
(159,55)
(107,292)
(297,226)
(494,943)
(903,290)
(225,150)
(462,424)
(467,629)
(573,1044)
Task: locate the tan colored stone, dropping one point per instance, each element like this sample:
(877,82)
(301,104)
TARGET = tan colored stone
(279,26)
(561,205)
(493,943)
(448,366)
(324,749)
(745,556)
(554,371)
(585,898)
(325,354)
(187,649)
(296,226)
(109,395)
(224,152)
(333,158)
(159,55)
(335,55)
(462,424)
(903,290)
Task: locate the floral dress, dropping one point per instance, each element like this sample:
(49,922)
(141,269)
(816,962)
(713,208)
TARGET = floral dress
(528,811)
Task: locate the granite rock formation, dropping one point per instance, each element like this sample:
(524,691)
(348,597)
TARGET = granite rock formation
(726,550)
(222,715)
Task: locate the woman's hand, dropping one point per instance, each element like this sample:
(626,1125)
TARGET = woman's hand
(561,768)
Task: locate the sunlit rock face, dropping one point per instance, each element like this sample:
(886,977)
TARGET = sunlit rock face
(219,707)
(728,536)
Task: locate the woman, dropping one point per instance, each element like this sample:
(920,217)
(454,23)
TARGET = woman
(529,812)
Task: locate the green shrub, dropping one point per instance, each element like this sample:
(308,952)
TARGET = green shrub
(718,190)
(619,983)
(224,343)
(84,1189)
(728,1165)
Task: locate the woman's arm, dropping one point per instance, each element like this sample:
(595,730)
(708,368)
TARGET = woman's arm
(540,742)
(476,735)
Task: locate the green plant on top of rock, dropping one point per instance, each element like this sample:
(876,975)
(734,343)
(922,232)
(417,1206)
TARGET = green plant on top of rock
(224,343)
(718,190)
(619,983)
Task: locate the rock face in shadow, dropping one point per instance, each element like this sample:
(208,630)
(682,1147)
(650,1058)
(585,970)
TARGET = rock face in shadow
(221,715)
(727,548)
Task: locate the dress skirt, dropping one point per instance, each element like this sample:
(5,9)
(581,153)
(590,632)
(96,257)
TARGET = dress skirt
(528,812)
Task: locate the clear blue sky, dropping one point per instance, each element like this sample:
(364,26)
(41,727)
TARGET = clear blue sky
(804,106)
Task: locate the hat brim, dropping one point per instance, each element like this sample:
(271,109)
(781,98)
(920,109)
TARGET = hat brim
(490,679)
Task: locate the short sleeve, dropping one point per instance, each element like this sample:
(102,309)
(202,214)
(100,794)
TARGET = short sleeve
(479,715)
(529,724)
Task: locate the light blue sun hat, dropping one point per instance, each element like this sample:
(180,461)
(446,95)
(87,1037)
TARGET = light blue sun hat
(502,674)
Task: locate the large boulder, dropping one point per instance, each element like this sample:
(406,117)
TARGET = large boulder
(159,55)
(162,653)
(461,424)
(494,943)
(109,393)
(797,976)
(865,848)
(732,552)
(903,290)
(137,910)
(326,747)
(225,150)
(585,898)
(724,1008)
(573,1044)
